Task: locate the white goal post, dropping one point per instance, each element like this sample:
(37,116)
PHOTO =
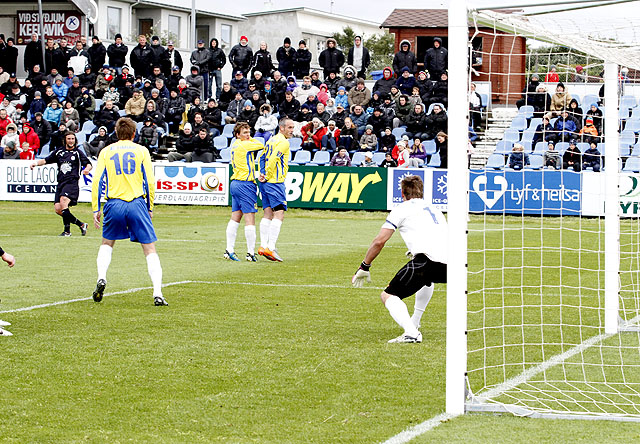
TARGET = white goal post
(543,302)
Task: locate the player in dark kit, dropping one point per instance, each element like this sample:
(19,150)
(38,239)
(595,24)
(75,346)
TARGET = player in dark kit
(71,162)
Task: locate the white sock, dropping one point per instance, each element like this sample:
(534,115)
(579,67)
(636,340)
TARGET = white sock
(232,232)
(274,232)
(423,296)
(155,272)
(400,314)
(264,232)
(104,259)
(250,235)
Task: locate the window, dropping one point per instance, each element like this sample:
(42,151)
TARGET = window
(174,29)
(225,36)
(144,26)
(202,33)
(113,22)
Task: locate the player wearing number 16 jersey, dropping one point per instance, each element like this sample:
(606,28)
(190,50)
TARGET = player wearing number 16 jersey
(424,230)
(124,177)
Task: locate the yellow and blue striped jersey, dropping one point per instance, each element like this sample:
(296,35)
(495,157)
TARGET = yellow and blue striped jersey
(274,162)
(243,159)
(124,172)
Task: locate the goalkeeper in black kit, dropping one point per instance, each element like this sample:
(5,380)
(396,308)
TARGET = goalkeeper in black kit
(71,163)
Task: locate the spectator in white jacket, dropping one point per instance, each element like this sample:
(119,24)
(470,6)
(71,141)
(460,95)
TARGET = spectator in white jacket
(266,123)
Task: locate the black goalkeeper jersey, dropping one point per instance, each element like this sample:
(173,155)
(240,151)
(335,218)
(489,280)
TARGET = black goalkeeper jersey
(70,164)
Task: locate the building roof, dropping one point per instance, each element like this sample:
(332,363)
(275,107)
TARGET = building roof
(312,12)
(420,18)
(185,6)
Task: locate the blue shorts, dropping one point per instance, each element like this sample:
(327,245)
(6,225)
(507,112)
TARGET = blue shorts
(244,196)
(131,220)
(273,194)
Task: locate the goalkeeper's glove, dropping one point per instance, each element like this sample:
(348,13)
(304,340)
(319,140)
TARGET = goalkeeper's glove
(363,273)
(409,255)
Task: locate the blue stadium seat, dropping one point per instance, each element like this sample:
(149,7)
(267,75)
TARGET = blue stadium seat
(511,135)
(378,157)
(635,113)
(228,130)
(627,137)
(536,162)
(44,152)
(495,161)
(429,146)
(88,127)
(398,132)
(99,103)
(541,147)
(625,150)
(484,98)
(528,134)
(295,143)
(321,158)
(434,162)
(582,146)
(628,102)
(526,111)
(225,156)
(588,100)
(82,137)
(533,123)
(504,147)
(633,125)
(561,147)
(519,123)
(527,144)
(220,142)
(358,158)
(636,150)
(624,113)
(632,165)
(302,157)
(122,113)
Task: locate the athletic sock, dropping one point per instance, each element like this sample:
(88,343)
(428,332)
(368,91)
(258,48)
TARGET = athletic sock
(264,232)
(274,232)
(155,272)
(104,259)
(400,314)
(250,235)
(68,218)
(232,232)
(423,296)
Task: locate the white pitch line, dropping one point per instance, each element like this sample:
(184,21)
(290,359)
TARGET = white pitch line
(170,284)
(509,384)
(419,429)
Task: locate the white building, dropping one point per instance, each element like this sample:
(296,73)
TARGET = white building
(312,25)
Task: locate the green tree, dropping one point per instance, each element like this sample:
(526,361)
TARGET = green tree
(380,47)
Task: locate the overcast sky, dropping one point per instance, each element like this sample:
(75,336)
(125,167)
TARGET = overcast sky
(378,10)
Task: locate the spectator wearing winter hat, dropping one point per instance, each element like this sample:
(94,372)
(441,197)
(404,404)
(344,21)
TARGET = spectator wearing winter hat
(200,57)
(589,133)
(302,60)
(579,76)
(341,158)
(349,79)
(217,60)
(97,144)
(359,57)
(266,124)
(286,56)
(38,105)
(184,145)
(303,91)
(342,98)
(117,52)
(234,108)
(239,82)
(368,141)
(60,89)
(10,56)
(436,59)
(592,158)
(552,76)
(248,114)
(360,95)
(404,57)
(331,59)
(53,112)
(97,53)
(195,80)
(384,84)
(241,56)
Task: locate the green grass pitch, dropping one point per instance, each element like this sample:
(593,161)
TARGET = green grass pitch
(245,353)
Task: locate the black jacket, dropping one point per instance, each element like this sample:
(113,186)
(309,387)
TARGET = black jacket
(213,117)
(117,55)
(217,59)
(286,60)
(405,58)
(201,146)
(185,143)
(301,63)
(331,60)
(262,62)
(241,57)
(141,59)
(104,116)
(436,60)
(54,58)
(33,55)
(159,56)
(200,58)
(9,59)
(98,55)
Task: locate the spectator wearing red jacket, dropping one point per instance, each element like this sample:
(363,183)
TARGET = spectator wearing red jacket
(4,121)
(552,75)
(312,134)
(29,137)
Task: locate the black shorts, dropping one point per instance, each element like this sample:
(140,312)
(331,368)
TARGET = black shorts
(417,273)
(70,190)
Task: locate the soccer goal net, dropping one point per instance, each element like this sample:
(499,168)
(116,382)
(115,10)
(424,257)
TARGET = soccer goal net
(553,255)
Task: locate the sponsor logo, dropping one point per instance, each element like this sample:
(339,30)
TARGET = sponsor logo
(195,185)
(396,180)
(529,192)
(439,190)
(321,187)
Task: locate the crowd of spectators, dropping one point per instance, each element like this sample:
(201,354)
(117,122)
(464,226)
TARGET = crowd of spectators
(332,108)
